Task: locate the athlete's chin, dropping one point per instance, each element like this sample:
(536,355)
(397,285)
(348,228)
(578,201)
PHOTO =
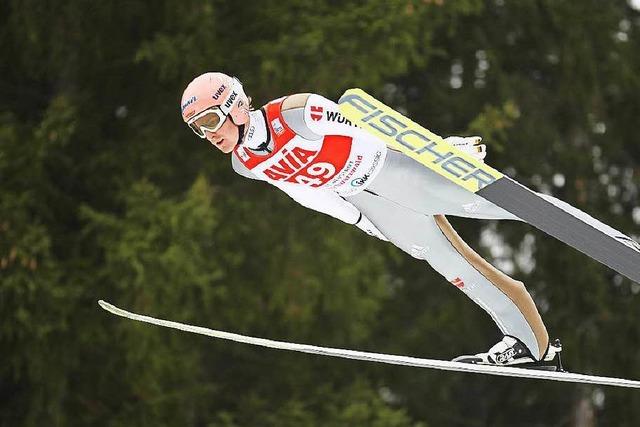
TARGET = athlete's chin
(225,146)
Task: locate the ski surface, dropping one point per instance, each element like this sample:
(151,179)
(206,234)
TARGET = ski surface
(377,357)
(601,243)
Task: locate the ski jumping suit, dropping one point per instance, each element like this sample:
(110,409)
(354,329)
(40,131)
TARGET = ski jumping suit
(302,145)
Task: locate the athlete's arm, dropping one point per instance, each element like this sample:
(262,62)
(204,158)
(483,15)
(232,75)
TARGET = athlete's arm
(313,116)
(330,203)
(322,117)
(321,200)
(318,199)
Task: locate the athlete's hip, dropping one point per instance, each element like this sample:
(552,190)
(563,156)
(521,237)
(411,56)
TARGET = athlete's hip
(410,184)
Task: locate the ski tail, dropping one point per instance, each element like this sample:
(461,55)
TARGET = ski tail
(594,239)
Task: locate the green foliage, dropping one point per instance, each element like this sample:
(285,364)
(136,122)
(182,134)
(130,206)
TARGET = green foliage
(494,123)
(105,194)
(33,291)
(323,406)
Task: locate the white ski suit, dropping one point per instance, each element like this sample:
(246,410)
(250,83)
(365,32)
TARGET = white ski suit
(302,145)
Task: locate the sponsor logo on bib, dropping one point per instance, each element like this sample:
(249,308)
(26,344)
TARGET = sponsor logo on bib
(243,154)
(360,181)
(305,162)
(277,126)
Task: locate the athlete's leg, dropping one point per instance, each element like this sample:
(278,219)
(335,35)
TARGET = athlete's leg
(410,184)
(414,186)
(433,240)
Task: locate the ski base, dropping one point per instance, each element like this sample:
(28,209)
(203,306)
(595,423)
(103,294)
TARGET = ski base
(379,357)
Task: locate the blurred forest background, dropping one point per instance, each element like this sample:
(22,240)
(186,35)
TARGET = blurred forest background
(104,193)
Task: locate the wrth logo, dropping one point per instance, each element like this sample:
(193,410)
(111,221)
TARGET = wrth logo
(316,113)
(335,116)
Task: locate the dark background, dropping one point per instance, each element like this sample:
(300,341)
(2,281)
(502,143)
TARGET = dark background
(104,193)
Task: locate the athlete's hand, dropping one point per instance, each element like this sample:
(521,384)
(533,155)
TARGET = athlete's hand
(367,226)
(470,145)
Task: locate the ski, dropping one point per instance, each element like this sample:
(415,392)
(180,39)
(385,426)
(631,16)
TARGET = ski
(601,243)
(378,357)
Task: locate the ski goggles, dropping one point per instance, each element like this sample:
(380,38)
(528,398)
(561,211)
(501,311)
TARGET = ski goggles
(214,117)
(210,120)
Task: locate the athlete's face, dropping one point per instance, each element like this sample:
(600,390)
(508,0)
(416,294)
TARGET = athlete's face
(225,138)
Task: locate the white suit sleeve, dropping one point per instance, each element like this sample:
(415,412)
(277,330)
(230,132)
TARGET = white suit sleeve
(330,203)
(322,117)
(322,200)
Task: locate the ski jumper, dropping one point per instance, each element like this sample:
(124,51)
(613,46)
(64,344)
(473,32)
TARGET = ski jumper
(305,147)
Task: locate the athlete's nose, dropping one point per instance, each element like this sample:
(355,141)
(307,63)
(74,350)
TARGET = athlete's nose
(212,137)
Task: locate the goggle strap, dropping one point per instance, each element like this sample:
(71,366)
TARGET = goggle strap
(235,88)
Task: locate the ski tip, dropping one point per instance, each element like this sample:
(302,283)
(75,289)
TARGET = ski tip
(108,307)
(116,310)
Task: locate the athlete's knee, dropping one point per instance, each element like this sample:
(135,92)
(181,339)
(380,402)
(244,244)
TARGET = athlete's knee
(517,289)
(518,286)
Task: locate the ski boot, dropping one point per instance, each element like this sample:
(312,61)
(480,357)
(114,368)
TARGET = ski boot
(510,351)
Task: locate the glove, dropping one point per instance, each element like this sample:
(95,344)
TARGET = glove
(470,145)
(367,226)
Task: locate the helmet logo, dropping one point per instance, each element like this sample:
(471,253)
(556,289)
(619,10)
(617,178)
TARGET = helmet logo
(219,92)
(232,98)
(188,102)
